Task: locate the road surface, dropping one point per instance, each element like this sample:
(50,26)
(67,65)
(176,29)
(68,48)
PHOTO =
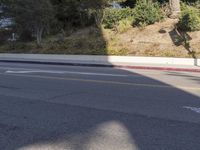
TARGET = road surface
(51,107)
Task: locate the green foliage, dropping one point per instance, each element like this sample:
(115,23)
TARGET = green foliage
(197,4)
(124,25)
(165,7)
(190,1)
(189,19)
(113,16)
(69,13)
(147,12)
(33,16)
(4,35)
(80,13)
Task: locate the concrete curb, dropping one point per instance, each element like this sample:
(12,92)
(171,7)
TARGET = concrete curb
(161,68)
(104,59)
(148,63)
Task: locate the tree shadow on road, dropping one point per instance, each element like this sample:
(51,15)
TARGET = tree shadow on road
(87,113)
(67,112)
(185,75)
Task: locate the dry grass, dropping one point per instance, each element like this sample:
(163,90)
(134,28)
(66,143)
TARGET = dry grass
(154,40)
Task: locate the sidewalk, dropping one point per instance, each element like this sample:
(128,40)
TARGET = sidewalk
(153,63)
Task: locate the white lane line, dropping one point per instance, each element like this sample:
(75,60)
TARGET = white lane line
(195,109)
(63,72)
(33,71)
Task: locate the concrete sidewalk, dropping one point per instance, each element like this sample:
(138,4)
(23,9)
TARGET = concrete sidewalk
(153,63)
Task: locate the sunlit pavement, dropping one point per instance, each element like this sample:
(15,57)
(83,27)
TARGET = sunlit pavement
(46,107)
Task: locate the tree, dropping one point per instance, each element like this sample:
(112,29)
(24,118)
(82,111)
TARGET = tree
(175,8)
(95,7)
(32,15)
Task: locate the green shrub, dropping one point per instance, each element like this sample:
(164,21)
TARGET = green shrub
(197,4)
(113,16)
(165,7)
(147,12)
(124,25)
(189,19)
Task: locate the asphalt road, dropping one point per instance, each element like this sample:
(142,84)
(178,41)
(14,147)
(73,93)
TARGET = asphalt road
(46,107)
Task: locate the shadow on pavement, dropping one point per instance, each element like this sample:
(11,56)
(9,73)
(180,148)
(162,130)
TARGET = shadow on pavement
(189,77)
(38,113)
(95,112)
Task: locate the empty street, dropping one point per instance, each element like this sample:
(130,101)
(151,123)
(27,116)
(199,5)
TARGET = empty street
(52,107)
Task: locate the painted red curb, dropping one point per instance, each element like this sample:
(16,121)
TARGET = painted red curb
(159,68)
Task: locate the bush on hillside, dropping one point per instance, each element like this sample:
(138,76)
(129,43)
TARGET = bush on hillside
(147,12)
(4,35)
(189,19)
(113,16)
(197,4)
(124,25)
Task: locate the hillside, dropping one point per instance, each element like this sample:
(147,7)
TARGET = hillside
(159,39)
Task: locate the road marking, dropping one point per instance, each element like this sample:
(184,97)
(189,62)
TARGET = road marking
(33,71)
(195,109)
(64,72)
(129,70)
(134,74)
(103,81)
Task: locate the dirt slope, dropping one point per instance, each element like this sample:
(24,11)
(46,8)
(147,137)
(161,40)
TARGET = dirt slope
(159,39)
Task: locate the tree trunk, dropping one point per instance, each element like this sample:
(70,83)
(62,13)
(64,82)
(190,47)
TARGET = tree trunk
(39,32)
(175,8)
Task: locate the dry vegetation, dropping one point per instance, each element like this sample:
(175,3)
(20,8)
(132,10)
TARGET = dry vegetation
(158,39)
(154,40)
